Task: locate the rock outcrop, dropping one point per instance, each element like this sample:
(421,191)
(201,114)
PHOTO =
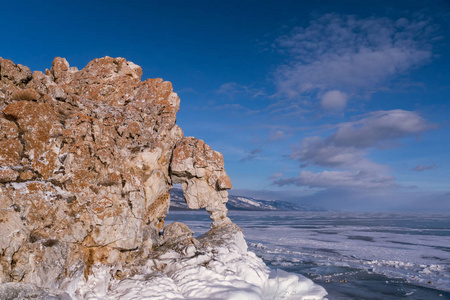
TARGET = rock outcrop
(87,160)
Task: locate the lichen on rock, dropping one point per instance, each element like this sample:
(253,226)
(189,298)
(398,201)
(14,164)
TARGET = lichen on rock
(87,160)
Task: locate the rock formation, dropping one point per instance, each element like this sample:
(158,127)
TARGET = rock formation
(87,159)
(203,179)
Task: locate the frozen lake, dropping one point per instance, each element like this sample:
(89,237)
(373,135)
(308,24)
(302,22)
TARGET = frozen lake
(352,255)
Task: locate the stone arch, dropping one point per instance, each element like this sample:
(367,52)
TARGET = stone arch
(200,170)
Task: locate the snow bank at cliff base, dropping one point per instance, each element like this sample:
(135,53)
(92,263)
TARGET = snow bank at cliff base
(212,269)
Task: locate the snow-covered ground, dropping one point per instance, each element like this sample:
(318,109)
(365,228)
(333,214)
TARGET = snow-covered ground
(217,266)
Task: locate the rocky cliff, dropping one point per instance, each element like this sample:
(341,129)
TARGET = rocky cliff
(87,160)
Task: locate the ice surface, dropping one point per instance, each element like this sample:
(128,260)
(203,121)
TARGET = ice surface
(223,270)
(353,255)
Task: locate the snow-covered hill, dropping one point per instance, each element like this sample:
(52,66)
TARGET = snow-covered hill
(243,203)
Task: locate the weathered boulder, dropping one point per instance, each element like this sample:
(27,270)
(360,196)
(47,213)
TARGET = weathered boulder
(176,231)
(87,159)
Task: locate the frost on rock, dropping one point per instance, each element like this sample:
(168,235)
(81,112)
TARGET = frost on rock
(87,160)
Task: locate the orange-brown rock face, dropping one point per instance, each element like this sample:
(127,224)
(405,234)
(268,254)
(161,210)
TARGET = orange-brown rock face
(85,160)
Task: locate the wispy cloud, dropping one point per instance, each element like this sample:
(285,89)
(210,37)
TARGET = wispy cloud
(277,135)
(347,147)
(349,56)
(275,176)
(287,108)
(334,100)
(187,90)
(231,89)
(233,107)
(252,155)
(421,168)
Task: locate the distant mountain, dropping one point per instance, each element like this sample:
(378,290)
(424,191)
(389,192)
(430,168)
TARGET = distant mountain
(243,203)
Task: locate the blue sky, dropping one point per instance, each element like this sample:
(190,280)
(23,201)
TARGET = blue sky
(343,104)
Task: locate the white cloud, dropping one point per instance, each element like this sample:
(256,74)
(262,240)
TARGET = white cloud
(380,127)
(323,152)
(341,179)
(346,150)
(334,100)
(354,56)
(350,142)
